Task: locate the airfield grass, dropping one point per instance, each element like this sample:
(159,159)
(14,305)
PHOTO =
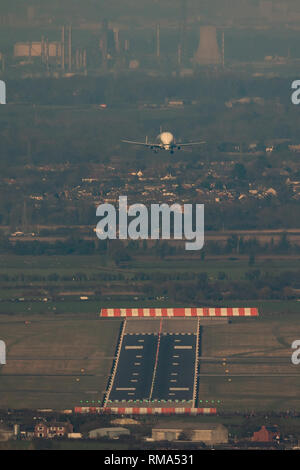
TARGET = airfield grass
(121,293)
(64,445)
(244,394)
(56,363)
(260,348)
(234,268)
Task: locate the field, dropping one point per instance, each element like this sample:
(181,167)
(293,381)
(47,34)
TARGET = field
(63,445)
(234,267)
(247,366)
(121,290)
(55,363)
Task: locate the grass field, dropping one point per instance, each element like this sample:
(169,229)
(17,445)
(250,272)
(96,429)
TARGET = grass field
(119,292)
(55,363)
(246,355)
(234,267)
(63,445)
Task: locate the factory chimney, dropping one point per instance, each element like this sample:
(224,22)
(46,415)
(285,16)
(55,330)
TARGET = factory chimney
(116,39)
(63,48)
(70,48)
(223,49)
(103,43)
(158,40)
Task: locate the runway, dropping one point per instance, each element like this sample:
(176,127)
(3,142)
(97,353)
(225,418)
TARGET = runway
(175,371)
(155,367)
(135,368)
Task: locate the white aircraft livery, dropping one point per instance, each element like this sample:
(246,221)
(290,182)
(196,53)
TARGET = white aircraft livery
(165,141)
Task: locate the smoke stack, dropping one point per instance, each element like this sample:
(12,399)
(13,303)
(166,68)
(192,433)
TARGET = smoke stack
(103,43)
(43,49)
(179,54)
(116,38)
(208,51)
(77,59)
(63,48)
(223,49)
(157,40)
(47,52)
(70,48)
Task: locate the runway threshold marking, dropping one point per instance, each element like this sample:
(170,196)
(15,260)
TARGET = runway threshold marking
(125,389)
(179,389)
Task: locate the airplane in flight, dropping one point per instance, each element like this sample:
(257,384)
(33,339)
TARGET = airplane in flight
(165,141)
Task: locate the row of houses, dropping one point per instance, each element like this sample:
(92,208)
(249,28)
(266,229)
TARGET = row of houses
(54,430)
(208,433)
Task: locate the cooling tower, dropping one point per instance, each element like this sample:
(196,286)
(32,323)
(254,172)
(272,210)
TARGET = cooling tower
(208,51)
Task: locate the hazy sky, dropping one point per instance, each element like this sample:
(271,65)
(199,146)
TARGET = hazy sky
(215,10)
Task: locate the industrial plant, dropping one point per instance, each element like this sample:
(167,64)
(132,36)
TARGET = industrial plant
(183,46)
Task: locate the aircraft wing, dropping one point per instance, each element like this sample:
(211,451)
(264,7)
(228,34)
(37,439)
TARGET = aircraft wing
(145,144)
(186,144)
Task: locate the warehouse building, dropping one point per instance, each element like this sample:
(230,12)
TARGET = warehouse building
(111,433)
(209,433)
